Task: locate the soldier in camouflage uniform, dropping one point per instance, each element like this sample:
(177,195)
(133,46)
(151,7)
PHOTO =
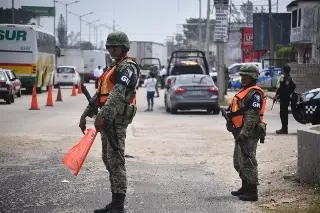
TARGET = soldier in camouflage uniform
(115,115)
(247,108)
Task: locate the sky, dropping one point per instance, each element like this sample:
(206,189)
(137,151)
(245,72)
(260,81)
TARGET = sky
(142,20)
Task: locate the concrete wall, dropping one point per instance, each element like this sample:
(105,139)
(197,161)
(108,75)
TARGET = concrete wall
(309,155)
(306,76)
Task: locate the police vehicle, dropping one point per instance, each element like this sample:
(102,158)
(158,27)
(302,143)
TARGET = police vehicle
(306,107)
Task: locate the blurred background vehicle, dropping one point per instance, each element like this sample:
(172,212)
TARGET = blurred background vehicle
(66,76)
(192,91)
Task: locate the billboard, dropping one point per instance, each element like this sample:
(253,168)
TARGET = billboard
(248,52)
(281,26)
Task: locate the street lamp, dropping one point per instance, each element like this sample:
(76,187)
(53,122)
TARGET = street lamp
(80,17)
(102,25)
(89,23)
(67,17)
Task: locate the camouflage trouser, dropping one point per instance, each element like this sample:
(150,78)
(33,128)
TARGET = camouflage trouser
(247,168)
(114,160)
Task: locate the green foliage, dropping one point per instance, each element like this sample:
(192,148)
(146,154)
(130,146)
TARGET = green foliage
(284,52)
(191,29)
(62,34)
(20,16)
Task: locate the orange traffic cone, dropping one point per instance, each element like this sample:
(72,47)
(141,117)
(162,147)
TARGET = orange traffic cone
(59,96)
(79,88)
(49,97)
(74,92)
(34,100)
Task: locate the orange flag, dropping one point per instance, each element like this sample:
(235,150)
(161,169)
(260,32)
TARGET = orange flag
(77,154)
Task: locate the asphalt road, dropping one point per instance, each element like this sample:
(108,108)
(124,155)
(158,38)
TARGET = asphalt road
(179,163)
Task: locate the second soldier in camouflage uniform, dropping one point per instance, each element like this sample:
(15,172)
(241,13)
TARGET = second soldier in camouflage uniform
(115,115)
(246,108)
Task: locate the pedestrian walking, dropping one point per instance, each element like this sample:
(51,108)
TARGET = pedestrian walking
(150,83)
(247,126)
(163,74)
(97,73)
(116,99)
(284,93)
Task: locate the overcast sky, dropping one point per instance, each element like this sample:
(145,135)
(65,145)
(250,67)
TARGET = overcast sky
(150,20)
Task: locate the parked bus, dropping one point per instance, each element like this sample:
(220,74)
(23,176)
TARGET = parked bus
(30,52)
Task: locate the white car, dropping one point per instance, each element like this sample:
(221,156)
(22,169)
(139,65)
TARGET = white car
(66,76)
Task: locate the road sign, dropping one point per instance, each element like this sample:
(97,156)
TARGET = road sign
(40,11)
(225,2)
(221,25)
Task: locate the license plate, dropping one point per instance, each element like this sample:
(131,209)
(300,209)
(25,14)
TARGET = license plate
(65,76)
(195,93)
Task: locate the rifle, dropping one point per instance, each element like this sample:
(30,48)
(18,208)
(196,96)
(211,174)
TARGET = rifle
(274,101)
(231,128)
(92,102)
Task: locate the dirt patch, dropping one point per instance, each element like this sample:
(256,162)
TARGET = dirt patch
(285,194)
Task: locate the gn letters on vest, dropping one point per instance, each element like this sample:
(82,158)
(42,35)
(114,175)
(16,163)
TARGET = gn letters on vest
(106,83)
(236,105)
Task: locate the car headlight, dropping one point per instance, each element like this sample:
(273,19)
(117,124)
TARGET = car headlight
(308,96)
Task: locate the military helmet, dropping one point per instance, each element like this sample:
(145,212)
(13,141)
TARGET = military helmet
(250,70)
(118,39)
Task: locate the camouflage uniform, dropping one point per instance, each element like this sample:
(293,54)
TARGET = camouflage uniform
(246,137)
(118,114)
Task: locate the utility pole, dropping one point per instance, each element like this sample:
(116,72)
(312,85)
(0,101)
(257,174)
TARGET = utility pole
(114,25)
(13,12)
(270,35)
(221,37)
(200,25)
(208,32)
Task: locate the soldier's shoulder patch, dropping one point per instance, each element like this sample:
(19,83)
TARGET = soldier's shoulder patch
(256,101)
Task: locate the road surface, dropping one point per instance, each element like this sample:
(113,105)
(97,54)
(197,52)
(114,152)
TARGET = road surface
(177,163)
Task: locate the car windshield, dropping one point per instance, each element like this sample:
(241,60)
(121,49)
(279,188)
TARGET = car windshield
(196,80)
(179,70)
(3,76)
(65,70)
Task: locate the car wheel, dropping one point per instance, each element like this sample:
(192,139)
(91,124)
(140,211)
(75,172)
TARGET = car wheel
(8,99)
(39,90)
(173,110)
(12,98)
(166,105)
(56,86)
(209,111)
(86,80)
(216,111)
(19,93)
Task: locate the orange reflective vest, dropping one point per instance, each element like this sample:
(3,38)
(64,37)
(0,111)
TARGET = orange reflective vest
(237,108)
(106,83)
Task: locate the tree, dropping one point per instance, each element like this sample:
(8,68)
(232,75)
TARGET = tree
(20,16)
(191,29)
(247,11)
(62,35)
(284,52)
(86,45)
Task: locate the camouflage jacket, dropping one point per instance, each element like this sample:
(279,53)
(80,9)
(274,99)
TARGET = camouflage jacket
(126,77)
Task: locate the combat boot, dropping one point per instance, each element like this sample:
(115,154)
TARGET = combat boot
(251,193)
(240,191)
(107,208)
(282,132)
(117,204)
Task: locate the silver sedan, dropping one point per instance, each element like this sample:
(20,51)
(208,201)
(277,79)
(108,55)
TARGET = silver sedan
(192,91)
